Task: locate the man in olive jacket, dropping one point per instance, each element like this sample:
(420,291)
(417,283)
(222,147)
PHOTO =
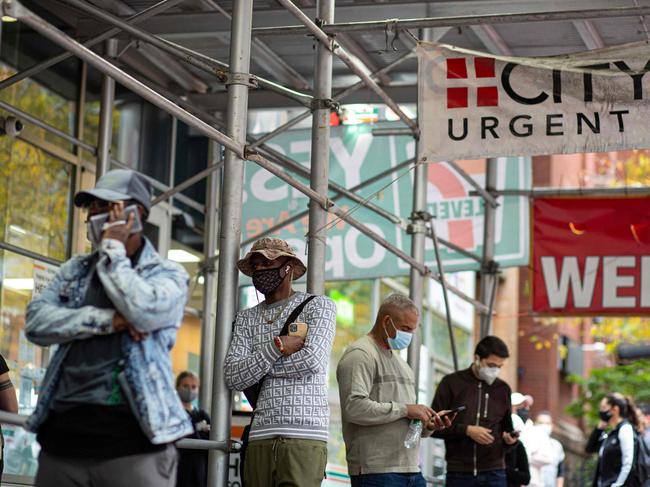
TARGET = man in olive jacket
(477,440)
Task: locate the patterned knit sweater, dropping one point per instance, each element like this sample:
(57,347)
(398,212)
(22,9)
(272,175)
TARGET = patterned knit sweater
(293,400)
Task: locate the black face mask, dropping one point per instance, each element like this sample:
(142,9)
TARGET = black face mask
(267,280)
(605,415)
(524,414)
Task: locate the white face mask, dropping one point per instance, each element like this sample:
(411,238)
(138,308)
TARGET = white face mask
(487,374)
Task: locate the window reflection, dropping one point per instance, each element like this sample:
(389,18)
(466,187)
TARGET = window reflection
(21,277)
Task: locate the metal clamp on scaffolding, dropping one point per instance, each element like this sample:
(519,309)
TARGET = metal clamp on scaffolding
(325,103)
(419,221)
(244,79)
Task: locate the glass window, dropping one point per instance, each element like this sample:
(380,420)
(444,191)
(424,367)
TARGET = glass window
(35,199)
(20,277)
(441,343)
(42,103)
(354,319)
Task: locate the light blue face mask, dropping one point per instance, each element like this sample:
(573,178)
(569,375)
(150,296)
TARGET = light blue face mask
(402,338)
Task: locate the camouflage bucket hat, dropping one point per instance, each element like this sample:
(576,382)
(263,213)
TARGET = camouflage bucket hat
(272,248)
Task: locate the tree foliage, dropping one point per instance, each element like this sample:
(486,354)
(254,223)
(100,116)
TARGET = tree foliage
(631,380)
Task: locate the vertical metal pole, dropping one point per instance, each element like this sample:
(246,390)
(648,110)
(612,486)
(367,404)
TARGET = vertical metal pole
(443,283)
(418,236)
(230,234)
(173,133)
(209,317)
(77,232)
(320,150)
(106,116)
(488,267)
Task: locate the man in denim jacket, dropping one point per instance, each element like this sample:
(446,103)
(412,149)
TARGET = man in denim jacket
(108,411)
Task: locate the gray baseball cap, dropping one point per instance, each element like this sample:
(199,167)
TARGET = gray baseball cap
(118,185)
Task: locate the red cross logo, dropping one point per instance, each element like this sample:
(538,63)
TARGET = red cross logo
(457,96)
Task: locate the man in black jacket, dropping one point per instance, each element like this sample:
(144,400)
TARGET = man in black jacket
(477,441)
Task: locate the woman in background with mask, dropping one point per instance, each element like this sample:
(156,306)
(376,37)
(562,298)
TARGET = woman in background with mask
(615,448)
(192,464)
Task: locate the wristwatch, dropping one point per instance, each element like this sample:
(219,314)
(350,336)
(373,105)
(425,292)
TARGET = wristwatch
(278,343)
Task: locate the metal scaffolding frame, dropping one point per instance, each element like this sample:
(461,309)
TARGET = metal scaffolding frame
(221,284)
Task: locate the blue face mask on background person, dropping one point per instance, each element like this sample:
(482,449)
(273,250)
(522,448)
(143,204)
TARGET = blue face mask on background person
(402,338)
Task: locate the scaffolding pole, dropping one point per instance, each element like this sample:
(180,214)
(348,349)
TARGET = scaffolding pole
(107,100)
(338,97)
(222,72)
(303,214)
(320,155)
(48,63)
(489,267)
(16,10)
(459,21)
(352,63)
(209,315)
(417,230)
(230,234)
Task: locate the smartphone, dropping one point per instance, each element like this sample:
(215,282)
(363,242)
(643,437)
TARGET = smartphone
(298,329)
(455,410)
(97,222)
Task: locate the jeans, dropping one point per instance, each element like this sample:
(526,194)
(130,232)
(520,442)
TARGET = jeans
(491,478)
(388,480)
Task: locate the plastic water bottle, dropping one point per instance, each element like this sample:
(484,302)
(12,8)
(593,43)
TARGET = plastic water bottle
(414,433)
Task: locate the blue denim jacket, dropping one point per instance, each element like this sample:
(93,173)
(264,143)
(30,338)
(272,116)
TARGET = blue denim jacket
(151,297)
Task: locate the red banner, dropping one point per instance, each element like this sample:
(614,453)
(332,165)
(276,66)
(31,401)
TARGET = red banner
(591,256)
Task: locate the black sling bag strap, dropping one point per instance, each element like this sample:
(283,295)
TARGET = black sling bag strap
(252,393)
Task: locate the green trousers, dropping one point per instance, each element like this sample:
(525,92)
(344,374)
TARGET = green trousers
(285,462)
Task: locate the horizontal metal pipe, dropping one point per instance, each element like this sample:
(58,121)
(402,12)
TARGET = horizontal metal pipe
(18,11)
(11,418)
(187,183)
(198,60)
(352,63)
(552,192)
(194,444)
(47,127)
(302,214)
(458,21)
(134,19)
(391,131)
(29,253)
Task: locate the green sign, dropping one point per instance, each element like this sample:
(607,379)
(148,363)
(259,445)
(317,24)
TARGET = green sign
(355,155)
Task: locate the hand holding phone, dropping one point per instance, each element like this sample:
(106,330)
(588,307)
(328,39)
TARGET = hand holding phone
(452,412)
(117,217)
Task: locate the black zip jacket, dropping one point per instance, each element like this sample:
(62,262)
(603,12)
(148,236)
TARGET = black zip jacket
(610,462)
(487,406)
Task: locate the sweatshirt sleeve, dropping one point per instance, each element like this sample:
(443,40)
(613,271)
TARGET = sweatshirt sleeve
(442,400)
(626,440)
(355,374)
(243,367)
(313,357)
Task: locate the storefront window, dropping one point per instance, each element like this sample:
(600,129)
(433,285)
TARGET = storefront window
(42,103)
(354,319)
(442,344)
(35,197)
(21,277)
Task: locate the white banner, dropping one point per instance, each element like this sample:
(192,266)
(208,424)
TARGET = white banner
(473,105)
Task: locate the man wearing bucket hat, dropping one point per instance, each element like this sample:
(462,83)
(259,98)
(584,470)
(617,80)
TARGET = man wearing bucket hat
(279,356)
(108,412)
